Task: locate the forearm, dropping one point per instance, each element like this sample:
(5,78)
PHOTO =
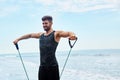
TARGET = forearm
(24,37)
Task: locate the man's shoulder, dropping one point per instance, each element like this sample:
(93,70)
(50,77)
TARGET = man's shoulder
(58,31)
(39,33)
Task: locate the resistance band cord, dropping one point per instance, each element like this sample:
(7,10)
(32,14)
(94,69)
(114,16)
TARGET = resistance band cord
(71,46)
(22,61)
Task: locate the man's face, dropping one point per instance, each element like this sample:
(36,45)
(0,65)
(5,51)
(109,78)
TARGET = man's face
(47,25)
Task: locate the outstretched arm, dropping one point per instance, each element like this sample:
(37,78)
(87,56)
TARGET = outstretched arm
(64,34)
(31,35)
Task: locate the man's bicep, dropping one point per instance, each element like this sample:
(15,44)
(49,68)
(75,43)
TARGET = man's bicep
(36,35)
(63,34)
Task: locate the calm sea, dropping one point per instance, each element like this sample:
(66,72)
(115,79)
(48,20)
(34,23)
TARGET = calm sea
(81,65)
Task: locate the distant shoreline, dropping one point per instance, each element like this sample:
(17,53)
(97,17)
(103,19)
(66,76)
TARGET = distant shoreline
(74,51)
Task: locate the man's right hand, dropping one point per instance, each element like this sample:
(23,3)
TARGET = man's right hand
(15,41)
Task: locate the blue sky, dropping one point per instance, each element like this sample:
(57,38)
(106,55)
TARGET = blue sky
(95,22)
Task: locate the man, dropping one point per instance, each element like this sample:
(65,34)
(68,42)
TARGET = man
(48,42)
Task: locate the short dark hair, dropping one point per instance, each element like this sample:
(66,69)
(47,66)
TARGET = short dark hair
(49,18)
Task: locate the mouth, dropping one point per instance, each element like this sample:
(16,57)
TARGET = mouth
(45,28)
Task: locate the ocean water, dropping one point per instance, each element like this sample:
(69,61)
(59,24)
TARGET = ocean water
(81,65)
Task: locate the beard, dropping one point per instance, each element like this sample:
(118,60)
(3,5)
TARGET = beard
(46,28)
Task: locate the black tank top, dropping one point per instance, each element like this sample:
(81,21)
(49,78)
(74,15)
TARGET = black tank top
(48,45)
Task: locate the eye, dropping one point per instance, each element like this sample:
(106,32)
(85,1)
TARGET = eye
(44,23)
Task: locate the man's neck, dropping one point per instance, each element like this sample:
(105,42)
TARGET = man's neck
(48,32)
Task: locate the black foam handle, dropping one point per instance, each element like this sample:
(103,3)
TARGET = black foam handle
(16,45)
(71,46)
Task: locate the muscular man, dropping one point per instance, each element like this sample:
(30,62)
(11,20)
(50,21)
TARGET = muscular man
(48,42)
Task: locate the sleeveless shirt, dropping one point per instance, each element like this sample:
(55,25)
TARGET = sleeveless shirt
(48,45)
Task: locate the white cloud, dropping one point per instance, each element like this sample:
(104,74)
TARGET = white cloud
(116,3)
(81,5)
(46,2)
(2,1)
(96,7)
(7,10)
(56,6)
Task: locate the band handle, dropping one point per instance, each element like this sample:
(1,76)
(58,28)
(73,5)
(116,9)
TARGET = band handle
(71,45)
(17,47)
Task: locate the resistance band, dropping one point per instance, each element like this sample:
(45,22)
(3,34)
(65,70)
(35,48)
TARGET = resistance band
(71,46)
(16,45)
